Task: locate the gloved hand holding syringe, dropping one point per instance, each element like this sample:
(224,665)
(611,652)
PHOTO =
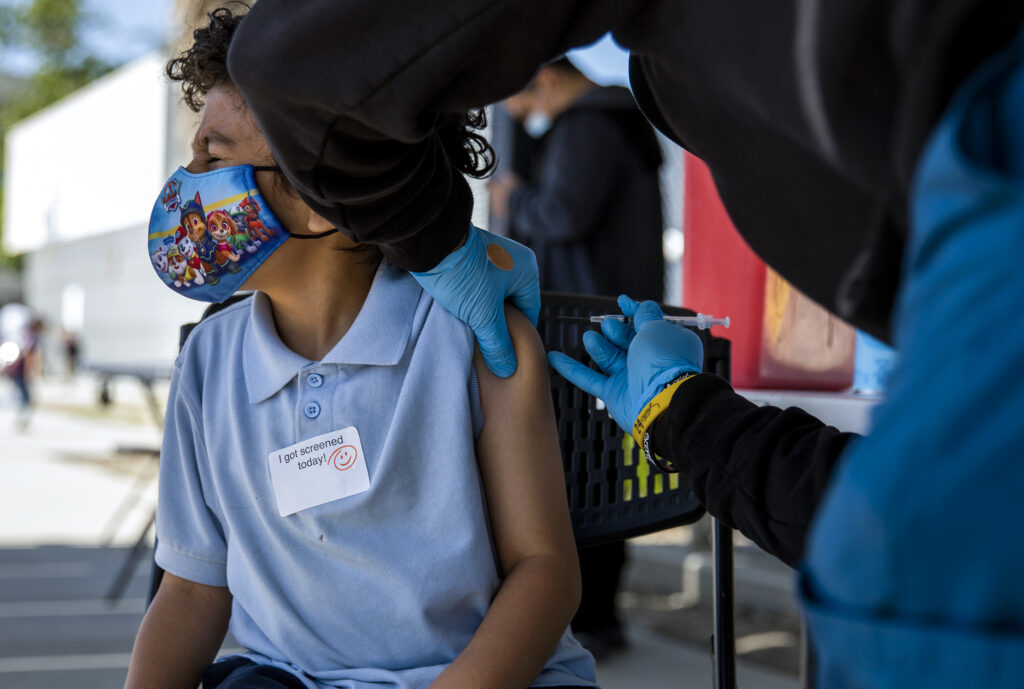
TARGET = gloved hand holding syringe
(640,354)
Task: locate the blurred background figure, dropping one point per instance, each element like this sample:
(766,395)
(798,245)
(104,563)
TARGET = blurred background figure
(584,195)
(69,339)
(589,205)
(23,362)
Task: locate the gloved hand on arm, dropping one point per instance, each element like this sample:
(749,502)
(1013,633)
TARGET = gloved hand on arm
(473,282)
(638,361)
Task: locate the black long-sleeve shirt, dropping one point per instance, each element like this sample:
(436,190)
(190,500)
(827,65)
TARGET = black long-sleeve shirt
(810,115)
(761,470)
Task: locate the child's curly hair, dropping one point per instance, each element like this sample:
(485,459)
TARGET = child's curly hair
(204,64)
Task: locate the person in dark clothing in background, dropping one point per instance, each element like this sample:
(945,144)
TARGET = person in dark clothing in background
(592,214)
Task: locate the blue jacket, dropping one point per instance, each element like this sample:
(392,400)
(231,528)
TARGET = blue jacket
(914,575)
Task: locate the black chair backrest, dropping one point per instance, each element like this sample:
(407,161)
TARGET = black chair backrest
(613,491)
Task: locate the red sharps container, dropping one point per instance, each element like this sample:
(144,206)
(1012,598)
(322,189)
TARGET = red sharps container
(780,338)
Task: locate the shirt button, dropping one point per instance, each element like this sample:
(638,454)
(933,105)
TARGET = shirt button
(312,410)
(315,380)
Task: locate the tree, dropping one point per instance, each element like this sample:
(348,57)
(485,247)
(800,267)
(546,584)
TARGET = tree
(50,33)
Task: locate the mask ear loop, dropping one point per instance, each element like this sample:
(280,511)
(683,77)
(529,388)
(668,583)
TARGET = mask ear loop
(318,235)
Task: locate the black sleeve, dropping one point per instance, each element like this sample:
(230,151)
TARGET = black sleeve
(578,170)
(762,470)
(348,95)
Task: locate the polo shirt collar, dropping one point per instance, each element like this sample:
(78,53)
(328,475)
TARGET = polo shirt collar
(378,337)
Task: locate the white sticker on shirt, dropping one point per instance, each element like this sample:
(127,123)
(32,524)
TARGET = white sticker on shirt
(318,470)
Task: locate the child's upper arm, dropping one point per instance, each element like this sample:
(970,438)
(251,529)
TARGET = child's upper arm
(190,538)
(214,599)
(519,455)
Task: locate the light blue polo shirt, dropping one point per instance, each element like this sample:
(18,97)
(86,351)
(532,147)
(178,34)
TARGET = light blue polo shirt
(382,588)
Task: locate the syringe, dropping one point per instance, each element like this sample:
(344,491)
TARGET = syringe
(702,321)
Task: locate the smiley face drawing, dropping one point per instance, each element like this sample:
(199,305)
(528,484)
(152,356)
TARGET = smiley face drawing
(344,457)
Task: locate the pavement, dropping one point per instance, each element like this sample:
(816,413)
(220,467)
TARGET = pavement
(78,488)
(68,478)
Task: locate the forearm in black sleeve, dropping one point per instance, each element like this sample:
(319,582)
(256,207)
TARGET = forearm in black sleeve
(762,470)
(348,94)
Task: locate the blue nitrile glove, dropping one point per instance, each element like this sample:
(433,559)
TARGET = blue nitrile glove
(473,288)
(638,360)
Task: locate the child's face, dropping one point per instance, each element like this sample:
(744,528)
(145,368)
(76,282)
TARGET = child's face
(228,135)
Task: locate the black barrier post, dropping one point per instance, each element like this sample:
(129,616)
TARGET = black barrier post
(723,643)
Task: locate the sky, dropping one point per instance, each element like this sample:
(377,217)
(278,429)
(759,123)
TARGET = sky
(605,62)
(126,29)
(117,31)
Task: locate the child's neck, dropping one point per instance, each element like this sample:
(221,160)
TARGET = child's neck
(313,313)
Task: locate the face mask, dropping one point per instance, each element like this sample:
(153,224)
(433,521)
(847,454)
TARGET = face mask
(210,231)
(537,124)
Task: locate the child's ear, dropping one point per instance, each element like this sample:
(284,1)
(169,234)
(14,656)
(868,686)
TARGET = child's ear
(318,223)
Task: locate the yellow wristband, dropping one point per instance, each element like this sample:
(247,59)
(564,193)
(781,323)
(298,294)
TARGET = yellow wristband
(656,406)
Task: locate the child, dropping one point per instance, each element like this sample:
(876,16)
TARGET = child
(342,479)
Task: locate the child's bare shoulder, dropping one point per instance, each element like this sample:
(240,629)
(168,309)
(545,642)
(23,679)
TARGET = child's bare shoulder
(531,364)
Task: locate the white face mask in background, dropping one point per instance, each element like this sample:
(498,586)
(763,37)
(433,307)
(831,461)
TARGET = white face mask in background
(537,124)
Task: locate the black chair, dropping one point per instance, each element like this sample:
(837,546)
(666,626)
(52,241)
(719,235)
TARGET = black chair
(612,491)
